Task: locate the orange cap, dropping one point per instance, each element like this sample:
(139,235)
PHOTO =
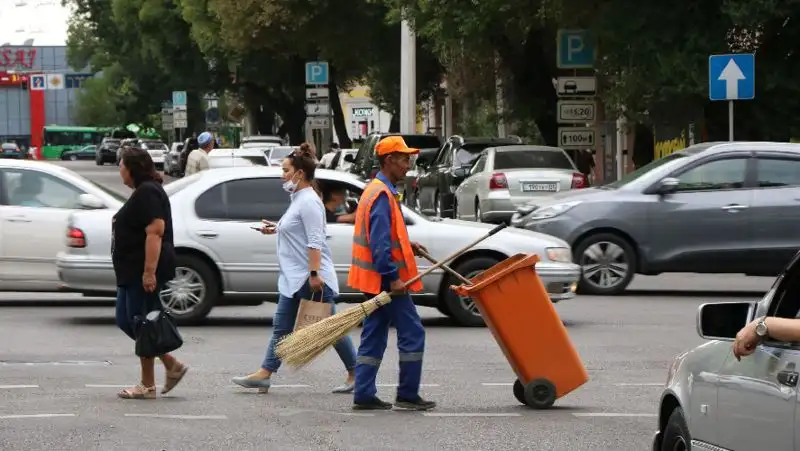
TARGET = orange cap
(392,144)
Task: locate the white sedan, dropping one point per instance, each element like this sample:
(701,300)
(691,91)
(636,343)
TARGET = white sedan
(504,178)
(37,198)
(222,260)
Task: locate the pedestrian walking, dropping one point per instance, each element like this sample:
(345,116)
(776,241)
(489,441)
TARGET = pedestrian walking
(306,266)
(383,258)
(198,159)
(143,256)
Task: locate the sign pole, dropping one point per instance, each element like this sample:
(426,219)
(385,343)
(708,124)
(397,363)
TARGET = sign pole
(730,120)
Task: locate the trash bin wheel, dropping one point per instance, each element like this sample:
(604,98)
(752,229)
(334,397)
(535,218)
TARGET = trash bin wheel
(540,394)
(519,391)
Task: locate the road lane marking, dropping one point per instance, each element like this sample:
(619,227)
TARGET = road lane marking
(36,415)
(9,387)
(642,384)
(395,385)
(469,414)
(176,417)
(497,384)
(613,415)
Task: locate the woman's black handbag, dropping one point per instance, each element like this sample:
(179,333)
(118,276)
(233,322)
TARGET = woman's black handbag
(156,332)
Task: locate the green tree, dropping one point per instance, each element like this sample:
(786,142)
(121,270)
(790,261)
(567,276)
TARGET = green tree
(98,103)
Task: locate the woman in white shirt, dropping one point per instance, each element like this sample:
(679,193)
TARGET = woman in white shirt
(306,266)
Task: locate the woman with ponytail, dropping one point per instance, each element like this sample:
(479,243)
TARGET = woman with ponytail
(306,265)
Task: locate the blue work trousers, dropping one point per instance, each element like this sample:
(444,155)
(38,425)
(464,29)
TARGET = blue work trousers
(402,314)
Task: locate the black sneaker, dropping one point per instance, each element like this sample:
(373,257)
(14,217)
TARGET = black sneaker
(417,404)
(372,404)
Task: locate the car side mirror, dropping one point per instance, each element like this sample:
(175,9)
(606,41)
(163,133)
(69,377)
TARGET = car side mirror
(422,164)
(667,186)
(349,158)
(723,320)
(90,202)
(461,172)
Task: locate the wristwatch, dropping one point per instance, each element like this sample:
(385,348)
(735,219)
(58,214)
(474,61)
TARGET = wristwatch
(314,274)
(761,328)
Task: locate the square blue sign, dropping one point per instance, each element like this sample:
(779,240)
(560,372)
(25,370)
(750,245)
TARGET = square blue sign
(732,77)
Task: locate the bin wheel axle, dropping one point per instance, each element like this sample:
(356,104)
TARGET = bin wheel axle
(539,393)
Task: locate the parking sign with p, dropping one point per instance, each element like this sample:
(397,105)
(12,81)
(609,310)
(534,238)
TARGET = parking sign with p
(317,73)
(575,50)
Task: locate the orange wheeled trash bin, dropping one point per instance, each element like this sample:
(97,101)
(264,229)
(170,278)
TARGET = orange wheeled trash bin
(516,308)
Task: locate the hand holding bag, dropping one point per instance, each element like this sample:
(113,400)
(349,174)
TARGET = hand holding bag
(156,332)
(311,311)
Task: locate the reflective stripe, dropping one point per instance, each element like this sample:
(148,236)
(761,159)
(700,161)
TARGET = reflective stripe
(361,240)
(411,356)
(366,360)
(369,267)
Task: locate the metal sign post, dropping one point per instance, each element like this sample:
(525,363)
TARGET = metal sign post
(730,78)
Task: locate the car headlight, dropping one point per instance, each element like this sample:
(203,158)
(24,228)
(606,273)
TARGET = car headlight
(553,210)
(559,254)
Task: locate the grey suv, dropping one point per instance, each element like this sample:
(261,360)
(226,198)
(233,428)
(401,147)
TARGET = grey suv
(710,208)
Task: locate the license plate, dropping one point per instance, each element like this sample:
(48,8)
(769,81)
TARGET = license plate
(539,187)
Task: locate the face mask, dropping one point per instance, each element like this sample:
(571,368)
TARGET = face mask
(290,186)
(340,210)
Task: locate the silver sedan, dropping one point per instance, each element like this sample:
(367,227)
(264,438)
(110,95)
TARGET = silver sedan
(504,178)
(222,261)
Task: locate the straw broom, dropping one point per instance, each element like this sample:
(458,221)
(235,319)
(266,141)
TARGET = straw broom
(302,346)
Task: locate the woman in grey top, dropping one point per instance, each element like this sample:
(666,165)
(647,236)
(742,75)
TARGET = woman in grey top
(306,266)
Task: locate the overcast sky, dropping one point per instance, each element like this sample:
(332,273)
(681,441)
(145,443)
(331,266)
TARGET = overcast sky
(44,21)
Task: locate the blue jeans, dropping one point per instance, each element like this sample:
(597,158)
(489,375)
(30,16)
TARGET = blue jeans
(283,324)
(131,301)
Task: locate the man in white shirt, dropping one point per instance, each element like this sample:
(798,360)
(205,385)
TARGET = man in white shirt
(326,161)
(198,159)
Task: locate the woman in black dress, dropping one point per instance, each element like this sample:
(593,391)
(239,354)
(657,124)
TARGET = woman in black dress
(144,261)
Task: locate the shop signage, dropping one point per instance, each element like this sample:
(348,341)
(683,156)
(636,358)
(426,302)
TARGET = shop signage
(17,57)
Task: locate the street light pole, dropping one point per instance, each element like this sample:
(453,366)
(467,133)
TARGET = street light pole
(408,78)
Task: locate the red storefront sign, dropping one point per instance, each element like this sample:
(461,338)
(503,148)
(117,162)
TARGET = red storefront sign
(7,79)
(17,58)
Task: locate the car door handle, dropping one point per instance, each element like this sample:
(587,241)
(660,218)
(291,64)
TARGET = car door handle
(207,233)
(735,207)
(18,219)
(788,378)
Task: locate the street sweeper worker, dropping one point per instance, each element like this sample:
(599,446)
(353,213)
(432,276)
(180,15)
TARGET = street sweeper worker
(383,259)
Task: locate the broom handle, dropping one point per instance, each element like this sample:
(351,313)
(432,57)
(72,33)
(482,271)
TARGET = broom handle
(458,276)
(454,255)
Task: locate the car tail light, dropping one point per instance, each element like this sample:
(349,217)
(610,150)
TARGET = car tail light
(579,181)
(498,181)
(75,238)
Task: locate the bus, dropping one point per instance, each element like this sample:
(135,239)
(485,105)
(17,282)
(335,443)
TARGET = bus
(56,139)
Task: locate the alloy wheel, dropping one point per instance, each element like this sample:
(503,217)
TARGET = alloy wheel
(183,293)
(604,264)
(467,303)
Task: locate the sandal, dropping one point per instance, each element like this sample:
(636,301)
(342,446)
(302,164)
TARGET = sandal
(139,391)
(174,378)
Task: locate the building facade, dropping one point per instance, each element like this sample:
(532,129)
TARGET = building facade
(37,88)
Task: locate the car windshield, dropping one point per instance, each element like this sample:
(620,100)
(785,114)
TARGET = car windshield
(153,145)
(8,146)
(537,159)
(422,141)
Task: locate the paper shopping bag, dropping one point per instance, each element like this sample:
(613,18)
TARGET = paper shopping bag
(311,311)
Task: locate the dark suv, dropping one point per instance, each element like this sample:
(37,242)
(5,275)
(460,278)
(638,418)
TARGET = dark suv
(365,163)
(438,180)
(107,151)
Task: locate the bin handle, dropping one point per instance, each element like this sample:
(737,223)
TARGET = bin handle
(454,256)
(458,276)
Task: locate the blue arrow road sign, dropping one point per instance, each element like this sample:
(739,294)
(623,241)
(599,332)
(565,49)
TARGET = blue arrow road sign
(732,77)
(575,50)
(317,73)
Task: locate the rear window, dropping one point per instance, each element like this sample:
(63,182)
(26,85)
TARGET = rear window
(422,141)
(8,146)
(280,154)
(155,145)
(468,153)
(531,159)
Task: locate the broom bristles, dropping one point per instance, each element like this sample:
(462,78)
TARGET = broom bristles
(302,346)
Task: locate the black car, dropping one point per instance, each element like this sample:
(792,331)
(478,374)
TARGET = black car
(438,180)
(84,153)
(107,151)
(365,164)
(11,150)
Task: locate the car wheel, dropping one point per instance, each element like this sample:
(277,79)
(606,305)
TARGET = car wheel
(193,292)
(463,309)
(608,264)
(676,434)
(417,203)
(456,215)
(98,161)
(478,213)
(73,157)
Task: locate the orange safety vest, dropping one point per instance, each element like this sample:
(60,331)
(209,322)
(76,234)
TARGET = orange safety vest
(363,276)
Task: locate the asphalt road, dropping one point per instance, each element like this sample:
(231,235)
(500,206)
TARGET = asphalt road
(62,362)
